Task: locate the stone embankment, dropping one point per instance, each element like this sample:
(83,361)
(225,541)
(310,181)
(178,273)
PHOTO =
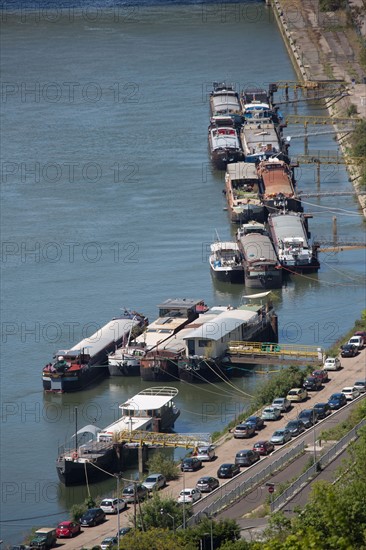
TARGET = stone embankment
(323,47)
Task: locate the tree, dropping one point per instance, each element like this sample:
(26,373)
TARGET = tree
(154,539)
(159,512)
(162,464)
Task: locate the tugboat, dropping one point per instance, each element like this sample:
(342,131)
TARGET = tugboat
(85,363)
(106,452)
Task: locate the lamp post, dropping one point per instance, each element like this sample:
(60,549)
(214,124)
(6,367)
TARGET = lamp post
(211,528)
(184,502)
(314,436)
(118,524)
(162,511)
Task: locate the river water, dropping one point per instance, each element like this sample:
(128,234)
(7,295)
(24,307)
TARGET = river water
(109,201)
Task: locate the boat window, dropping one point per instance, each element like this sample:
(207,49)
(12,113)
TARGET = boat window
(203,343)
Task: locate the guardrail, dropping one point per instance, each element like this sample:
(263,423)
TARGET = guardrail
(242,488)
(315,468)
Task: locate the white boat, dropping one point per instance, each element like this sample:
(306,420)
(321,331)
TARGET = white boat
(151,410)
(225,262)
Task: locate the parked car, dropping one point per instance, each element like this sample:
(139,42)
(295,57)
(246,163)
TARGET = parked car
(349,350)
(280,437)
(271,413)
(311,383)
(134,491)
(357,341)
(321,374)
(207,484)
(246,457)
(189,495)
(297,394)
(243,431)
(337,400)
(112,505)
(332,363)
(206,453)
(256,421)
(108,543)
(154,482)
(322,410)
(308,417)
(282,403)
(123,531)
(295,427)
(67,529)
(360,385)
(263,447)
(44,538)
(190,464)
(92,517)
(228,470)
(351,393)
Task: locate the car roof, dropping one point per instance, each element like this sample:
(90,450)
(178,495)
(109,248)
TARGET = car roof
(65,522)
(320,405)
(227,465)
(338,394)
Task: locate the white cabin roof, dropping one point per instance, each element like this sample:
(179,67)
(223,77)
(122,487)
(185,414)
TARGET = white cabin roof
(111,332)
(242,170)
(225,323)
(226,246)
(150,399)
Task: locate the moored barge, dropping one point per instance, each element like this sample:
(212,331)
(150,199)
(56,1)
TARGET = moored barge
(106,452)
(224,142)
(242,193)
(224,100)
(277,186)
(225,262)
(261,266)
(290,237)
(85,363)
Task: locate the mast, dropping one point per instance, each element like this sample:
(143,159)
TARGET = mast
(76,429)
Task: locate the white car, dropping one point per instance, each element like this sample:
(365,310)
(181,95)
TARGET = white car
(189,495)
(112,505)
(154,482)
(206,453)
(281,403)
(332,363)
(351,393)
(357,341)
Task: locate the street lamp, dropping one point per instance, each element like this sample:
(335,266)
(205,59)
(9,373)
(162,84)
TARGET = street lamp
(211,528)
(162,511)
(118,524)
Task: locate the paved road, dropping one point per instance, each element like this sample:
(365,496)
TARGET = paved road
(353,369)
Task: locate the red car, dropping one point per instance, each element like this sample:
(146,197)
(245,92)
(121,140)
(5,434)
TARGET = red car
(67,529)
(263,447)
(321,375)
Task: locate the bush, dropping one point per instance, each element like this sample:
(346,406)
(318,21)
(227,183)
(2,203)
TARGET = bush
(77,510)
(352,110)
(331,5)
(159,463)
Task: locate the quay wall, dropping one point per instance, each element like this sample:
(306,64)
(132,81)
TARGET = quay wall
(320,49)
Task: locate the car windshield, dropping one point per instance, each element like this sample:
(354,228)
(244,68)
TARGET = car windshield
(203,450)
(128,491)
(151,479)
(278,401)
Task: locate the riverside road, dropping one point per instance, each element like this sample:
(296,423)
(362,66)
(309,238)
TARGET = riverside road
(352,369)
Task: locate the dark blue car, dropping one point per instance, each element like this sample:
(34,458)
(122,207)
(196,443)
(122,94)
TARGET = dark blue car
(337,400)
(255,421)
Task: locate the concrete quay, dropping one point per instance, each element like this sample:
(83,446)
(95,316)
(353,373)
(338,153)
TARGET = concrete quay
(322,47)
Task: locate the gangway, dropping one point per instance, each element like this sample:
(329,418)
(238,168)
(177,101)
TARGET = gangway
(273,353)
(156,439)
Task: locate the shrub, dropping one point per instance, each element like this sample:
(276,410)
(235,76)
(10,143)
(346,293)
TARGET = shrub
(163,465)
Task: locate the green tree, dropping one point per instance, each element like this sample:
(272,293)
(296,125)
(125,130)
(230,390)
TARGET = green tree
(154,539)
(159,512)
(162,464)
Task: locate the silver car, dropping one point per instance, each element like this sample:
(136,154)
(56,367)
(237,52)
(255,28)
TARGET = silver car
(154,482)
(206,453)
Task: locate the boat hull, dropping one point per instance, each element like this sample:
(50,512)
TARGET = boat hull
(159,367)
(267,281)
(222,157)
(233,276)
(74,381)
(249,213)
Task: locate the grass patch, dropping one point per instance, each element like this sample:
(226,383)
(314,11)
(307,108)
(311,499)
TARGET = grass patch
(337,432)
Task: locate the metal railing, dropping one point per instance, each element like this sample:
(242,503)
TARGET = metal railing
(243,487)
(304,479)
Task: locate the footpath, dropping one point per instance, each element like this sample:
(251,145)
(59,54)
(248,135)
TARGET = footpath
(323,47)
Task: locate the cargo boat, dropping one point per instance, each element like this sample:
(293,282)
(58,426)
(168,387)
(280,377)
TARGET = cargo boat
(224,142)
(85,363)
(277,186)
(106,452)
(290,236)
(207,345)
(242,193)
(256,104)
(261,266)
(225,262)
